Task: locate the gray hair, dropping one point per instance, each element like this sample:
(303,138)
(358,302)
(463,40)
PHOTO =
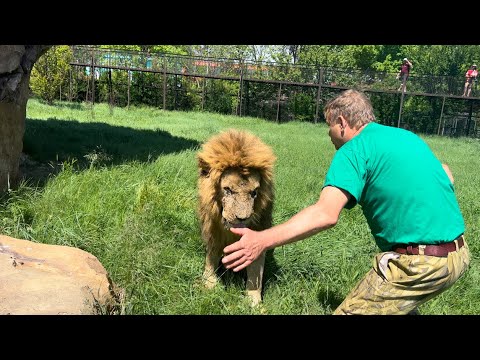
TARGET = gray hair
(353,105)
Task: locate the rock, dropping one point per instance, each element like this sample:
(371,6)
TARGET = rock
(10,57)
(42,279)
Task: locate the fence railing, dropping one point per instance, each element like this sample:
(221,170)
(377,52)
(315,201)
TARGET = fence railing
(278,92)
(267,71)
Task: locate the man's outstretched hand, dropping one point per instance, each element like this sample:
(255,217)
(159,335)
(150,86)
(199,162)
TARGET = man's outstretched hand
(242,253)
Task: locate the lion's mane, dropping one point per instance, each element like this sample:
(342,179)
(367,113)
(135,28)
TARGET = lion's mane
(239,150)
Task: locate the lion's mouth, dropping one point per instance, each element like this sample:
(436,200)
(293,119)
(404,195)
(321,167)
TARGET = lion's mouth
(239,225)
(227,224)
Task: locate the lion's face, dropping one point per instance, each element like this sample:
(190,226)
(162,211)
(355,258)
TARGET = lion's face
(238,194)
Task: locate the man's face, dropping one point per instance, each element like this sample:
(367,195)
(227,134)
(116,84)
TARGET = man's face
(335,132)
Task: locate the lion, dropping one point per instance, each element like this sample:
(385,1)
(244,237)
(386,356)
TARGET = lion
(235,189)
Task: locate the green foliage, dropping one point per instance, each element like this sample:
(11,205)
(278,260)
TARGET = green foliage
(361,56)
(386,65)
(146,89)
(301,105)
(222,97)
(50,72)
(441,60)
(444,60)
(168,49)
(346,56)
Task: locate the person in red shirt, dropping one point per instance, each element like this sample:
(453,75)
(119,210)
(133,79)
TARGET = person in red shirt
(470,76)
(404,73)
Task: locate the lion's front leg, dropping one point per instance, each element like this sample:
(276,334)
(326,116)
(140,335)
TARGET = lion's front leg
(254,280)
(212,261)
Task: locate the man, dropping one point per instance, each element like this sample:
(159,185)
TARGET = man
(407,197)
(470,76)
(404,73)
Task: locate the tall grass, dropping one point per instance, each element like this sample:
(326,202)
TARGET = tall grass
(126,192)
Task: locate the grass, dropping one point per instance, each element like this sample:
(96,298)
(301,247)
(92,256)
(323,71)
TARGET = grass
(125,191)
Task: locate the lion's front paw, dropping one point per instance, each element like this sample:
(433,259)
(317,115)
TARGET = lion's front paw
(209,280)
(255,297)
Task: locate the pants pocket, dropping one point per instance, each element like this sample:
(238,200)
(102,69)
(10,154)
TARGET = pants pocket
(383,260)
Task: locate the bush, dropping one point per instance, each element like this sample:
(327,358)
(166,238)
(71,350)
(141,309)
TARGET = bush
(50,72)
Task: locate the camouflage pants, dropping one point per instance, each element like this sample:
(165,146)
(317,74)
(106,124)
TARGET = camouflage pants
(398,283)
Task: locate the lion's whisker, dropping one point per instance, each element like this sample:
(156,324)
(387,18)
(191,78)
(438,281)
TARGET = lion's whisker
(222,273)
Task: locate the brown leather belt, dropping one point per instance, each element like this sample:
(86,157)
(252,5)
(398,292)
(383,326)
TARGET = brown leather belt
(440,250)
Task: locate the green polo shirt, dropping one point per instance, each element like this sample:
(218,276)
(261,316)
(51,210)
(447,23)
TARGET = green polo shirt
(404,192)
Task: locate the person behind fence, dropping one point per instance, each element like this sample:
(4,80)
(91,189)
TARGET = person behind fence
(407,197)
(404,73)
(470,77)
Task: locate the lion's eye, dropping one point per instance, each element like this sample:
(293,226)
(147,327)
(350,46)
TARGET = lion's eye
(254,194)
(227,191)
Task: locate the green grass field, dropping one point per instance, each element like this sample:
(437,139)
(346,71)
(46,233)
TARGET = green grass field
(125,191)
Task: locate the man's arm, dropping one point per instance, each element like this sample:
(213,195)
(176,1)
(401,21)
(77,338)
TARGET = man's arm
(449,173)
(317,217)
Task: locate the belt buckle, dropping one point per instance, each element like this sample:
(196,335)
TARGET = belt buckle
(421,249)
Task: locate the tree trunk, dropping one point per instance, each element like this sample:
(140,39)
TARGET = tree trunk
(16,63)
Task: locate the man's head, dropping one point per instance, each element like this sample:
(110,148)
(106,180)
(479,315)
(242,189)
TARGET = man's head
(405,59)
(345,114)
(474,67)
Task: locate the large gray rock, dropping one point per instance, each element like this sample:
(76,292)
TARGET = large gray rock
(10,56)
(42,279)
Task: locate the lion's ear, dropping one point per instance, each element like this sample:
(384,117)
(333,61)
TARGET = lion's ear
(204,168)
